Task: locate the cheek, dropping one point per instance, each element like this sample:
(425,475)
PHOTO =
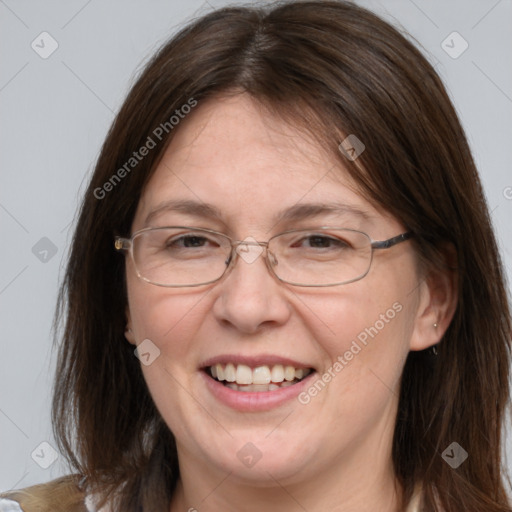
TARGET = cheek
(364,339)
(356,316)
(170,319)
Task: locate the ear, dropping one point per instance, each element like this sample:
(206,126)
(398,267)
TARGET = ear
(128,333)
(437,304)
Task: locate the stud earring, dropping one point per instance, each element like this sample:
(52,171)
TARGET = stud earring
(433,349)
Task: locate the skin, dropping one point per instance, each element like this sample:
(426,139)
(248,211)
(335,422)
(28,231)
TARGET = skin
(333,453)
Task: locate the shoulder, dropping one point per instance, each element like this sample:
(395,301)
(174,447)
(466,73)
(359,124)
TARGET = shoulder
(61,495)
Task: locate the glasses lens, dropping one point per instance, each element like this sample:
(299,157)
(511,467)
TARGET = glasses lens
(321,257)
(180,256)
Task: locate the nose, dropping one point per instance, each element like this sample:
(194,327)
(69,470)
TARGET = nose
(249,296)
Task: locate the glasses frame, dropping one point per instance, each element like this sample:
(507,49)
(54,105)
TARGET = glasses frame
(123,244)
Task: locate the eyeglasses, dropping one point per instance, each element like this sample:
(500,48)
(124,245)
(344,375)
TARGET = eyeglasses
(181,256)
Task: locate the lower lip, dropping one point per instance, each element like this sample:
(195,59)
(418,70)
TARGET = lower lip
(252,400)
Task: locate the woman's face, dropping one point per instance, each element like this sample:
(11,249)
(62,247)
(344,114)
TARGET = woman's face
(251,167)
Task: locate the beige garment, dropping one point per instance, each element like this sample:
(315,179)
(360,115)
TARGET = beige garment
(414,505)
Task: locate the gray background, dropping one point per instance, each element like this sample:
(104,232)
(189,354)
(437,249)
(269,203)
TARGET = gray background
(55,113)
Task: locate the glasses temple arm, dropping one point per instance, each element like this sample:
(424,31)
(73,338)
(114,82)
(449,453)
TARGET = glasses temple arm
(122,244)
(390,242)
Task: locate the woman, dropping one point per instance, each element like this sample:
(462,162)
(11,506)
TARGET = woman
(286,228)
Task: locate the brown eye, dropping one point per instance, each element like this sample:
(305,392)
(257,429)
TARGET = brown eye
(321,242)
(187,241)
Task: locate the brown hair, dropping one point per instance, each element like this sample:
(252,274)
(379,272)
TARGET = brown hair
(60,495)
(339,70)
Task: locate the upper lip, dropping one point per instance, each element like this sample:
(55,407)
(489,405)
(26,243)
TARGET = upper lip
(253,361)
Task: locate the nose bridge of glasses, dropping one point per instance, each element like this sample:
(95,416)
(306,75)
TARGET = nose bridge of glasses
(250,249)
(250,241)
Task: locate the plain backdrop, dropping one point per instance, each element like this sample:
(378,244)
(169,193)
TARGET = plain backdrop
(56,109)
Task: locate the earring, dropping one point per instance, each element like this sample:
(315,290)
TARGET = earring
(433,349)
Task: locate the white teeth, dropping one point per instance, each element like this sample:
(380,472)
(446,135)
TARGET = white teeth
(264,377)
(230,372)
(243,374)
(261,375)
(220,372)
(254,388)
(277,373)
(289,373)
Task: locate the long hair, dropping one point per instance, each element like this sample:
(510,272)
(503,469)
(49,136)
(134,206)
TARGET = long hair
(333,69)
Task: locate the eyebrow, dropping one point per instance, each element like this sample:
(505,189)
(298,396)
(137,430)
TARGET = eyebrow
(296,212)
(305,210)
(187,206)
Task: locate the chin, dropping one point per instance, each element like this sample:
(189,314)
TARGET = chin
(254,457)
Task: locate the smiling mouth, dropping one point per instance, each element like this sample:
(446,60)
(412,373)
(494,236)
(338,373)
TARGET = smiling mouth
(240,377)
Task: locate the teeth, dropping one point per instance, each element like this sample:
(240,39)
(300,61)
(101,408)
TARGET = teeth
(230,372)
(261,375)
(254,387)
(262,378)
(243,374)
(277,373)
(289,373)
(220,372)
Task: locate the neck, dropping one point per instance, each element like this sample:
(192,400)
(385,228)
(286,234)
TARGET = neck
(360,481)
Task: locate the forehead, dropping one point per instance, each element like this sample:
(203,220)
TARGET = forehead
(238,133)
(247,162)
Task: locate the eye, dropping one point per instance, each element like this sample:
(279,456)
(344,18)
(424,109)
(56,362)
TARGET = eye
(317,241)
(188,241)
